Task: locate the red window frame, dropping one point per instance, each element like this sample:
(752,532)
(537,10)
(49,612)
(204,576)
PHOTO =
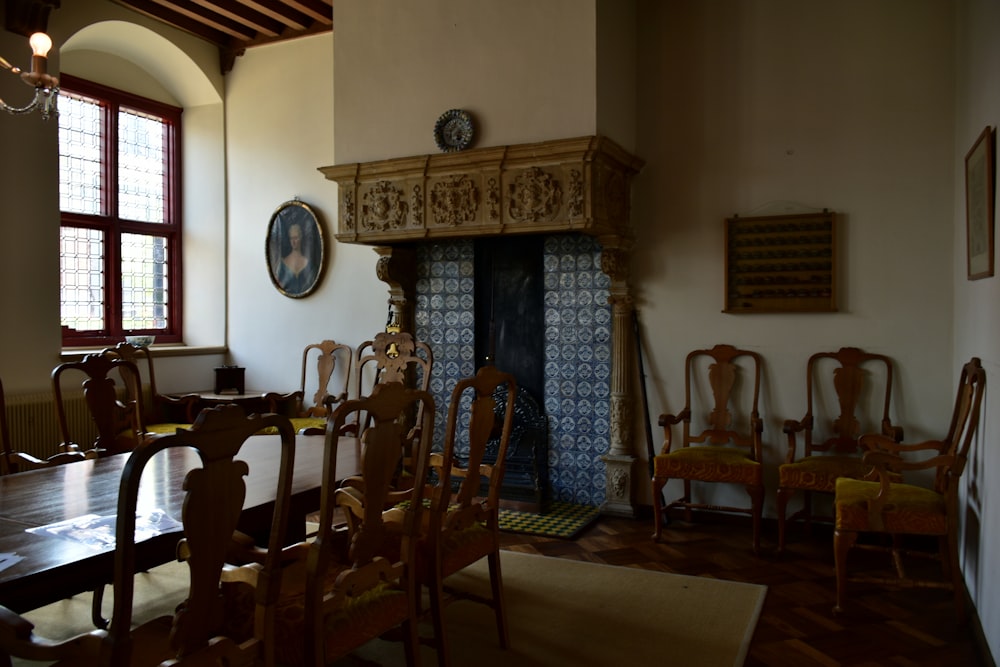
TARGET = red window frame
(111,100)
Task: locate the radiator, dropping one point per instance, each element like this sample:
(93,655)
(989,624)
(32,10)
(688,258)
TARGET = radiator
(34,424)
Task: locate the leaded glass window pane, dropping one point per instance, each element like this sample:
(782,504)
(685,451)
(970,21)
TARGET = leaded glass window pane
(79,154)
(142,180)
(144,281)
(81,261)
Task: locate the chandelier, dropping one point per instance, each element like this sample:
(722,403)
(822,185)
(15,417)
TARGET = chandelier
(46,86)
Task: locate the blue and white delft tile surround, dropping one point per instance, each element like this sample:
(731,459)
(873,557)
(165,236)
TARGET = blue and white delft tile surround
(577,336)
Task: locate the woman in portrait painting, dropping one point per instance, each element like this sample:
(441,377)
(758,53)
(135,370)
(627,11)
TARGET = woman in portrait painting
(296,273)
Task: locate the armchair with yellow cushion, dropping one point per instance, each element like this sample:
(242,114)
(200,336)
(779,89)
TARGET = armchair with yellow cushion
(721,452)
(837,413)
(900,510)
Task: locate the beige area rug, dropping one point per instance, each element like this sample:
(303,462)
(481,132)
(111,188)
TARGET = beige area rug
(560,612)
(563,612)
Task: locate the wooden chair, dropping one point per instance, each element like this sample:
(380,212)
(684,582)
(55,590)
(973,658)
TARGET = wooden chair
(720,452)
(840,376)
(12,461)
(392,356)
(899,509)
(329,355)
(465,525)
(359,581)
(118,421)
(213,502)
(163,413)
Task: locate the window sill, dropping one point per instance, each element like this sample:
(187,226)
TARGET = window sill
(168,350)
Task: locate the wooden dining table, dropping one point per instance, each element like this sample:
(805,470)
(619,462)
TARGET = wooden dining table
(53,568)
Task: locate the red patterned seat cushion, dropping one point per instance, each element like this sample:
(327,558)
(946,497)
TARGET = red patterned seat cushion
(709,463)
(910,509)
(820,473)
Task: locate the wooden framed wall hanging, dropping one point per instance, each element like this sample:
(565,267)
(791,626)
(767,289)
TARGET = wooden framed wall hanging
(979,193)
(781,264)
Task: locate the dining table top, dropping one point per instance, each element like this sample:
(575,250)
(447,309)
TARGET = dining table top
(55,567)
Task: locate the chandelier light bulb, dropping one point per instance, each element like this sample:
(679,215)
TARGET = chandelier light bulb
(40,44)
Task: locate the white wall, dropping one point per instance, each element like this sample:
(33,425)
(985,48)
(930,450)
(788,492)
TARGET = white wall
(29,233)
(977,304)
(279,130)
(845,106)
(525,70)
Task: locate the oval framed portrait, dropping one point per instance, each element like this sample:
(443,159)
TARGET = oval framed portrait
(295,249)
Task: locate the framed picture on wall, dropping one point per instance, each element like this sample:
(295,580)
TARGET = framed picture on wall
(295,249)
(979,193)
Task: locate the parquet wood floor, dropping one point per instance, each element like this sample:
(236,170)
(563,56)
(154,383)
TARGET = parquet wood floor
(882,627)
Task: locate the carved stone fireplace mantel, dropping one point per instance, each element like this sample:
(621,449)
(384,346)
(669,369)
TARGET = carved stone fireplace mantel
(579,185)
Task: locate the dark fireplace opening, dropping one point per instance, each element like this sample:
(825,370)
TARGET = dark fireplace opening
(510,333)
(564,339)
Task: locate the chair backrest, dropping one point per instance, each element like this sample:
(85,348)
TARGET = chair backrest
(323,401)
(855,375)
(157,407)
(485,403)
(729,387)
(12,461)
(119,421)
(214,495)
(962,429)
(377,526)
(392,356)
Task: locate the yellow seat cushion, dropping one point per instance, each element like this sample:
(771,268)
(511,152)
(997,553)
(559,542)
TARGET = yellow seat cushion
(167,428)
(820,473)
(298,423)
(909,509)
(710,463)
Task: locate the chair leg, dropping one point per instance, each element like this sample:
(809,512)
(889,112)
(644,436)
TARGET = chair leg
(757,508)
(96,617)
(436,595)
(949,558)
(784,494)
(687,500)
(499,609)
(411,642)
(658,484)
(842,543)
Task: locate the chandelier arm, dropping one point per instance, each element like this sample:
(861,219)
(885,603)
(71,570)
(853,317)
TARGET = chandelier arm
(45,98)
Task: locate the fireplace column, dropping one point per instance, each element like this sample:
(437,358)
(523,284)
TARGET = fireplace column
(397,268)
(620,460)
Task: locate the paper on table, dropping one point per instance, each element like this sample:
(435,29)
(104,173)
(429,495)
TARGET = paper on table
(8,559)
(99,531)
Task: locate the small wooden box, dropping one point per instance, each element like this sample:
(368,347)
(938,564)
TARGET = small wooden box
(230,379)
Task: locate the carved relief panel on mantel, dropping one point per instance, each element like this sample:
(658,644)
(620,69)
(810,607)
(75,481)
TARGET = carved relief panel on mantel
(568,185)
